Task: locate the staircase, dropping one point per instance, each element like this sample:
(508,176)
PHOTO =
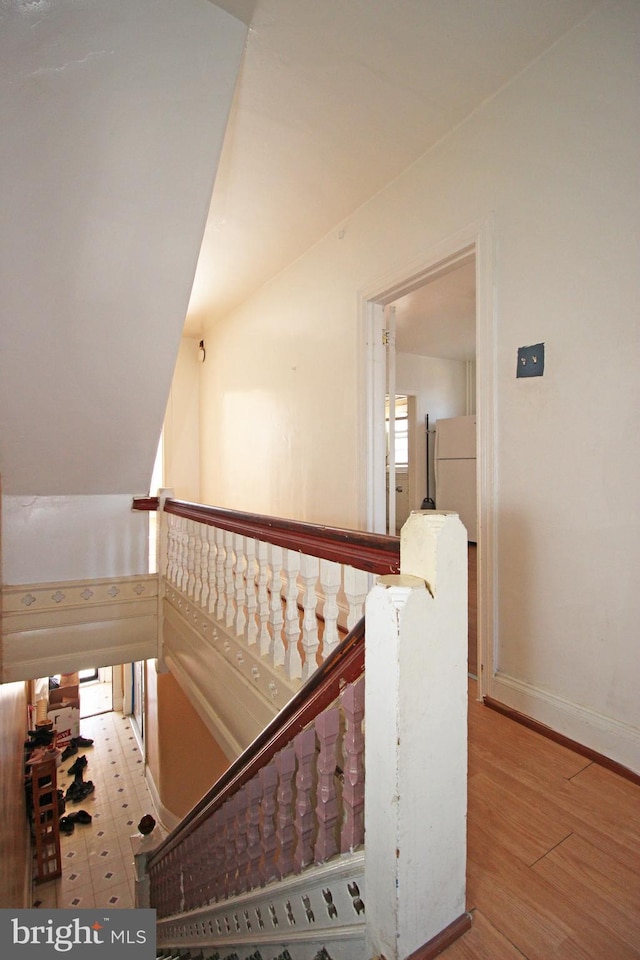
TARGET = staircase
(288,856)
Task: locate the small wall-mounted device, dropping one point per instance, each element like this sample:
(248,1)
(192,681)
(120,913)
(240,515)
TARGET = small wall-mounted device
(530,361)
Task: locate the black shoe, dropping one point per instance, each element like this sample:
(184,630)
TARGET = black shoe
(77,767)
(82,741)
(69,751)
(67,825)
(74,793)
(80,816)
(86,789)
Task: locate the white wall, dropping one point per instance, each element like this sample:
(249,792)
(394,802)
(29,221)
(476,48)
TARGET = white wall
(554,159)
(47,539)
(181,437)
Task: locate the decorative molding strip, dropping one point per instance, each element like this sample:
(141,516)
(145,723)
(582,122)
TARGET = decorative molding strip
(320,906)
(271,682)
(38,597)
(66,626)
(233,705)
(601,739)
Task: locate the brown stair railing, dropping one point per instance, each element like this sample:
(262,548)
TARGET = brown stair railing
(278,595)
(294,797)
(373,552)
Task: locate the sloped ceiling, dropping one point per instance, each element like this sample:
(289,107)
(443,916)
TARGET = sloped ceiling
(336,98)
(112,117)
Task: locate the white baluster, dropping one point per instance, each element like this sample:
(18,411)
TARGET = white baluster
(264,638)
(356,588)
(171,547)
(252,600)
(197,562)
(191,559)
(228,577)
(277,645)
(330,577)
(292,661)
(211,571)
(240,585)
(309,572)
(204,566)
(175,536)
(183,575)
(220,554)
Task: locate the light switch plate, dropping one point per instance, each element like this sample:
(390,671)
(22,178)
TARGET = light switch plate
(531,361)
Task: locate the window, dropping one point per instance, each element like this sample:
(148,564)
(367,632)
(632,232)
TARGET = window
(401,447)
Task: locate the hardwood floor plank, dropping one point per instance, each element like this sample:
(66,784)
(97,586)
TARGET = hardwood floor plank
(577,809)
(524,827)
(608,887)
(533,914)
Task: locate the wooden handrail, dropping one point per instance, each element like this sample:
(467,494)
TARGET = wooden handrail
(145,503)
(344,665)
(373,552)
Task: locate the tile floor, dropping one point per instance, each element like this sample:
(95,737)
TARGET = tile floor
(97,859)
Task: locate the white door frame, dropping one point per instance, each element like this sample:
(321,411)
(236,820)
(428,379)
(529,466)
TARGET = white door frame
(475,240)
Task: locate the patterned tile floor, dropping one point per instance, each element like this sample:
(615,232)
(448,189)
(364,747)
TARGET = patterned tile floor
(97,858)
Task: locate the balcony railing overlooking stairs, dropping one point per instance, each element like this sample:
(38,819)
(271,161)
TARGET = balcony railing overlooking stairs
(287,856)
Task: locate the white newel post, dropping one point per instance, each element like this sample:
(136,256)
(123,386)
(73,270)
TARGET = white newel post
(416,740)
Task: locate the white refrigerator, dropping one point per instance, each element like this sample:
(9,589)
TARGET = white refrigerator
(455,470)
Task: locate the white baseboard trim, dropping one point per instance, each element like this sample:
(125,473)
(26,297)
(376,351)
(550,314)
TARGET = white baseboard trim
(610,737)
(167,820)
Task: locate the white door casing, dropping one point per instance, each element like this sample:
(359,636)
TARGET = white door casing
(475,240)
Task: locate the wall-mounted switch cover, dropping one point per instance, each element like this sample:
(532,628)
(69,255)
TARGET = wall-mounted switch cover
(531,361)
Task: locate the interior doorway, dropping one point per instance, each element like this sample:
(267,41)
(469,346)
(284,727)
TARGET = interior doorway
(440,351)
(96,691)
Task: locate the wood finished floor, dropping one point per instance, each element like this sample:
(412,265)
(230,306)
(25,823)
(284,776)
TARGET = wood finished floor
(553,870)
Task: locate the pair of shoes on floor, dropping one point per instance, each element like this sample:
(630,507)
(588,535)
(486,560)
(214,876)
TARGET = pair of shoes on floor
(67,824)
(81,742)
(79,791)
(74,744)
(79,765)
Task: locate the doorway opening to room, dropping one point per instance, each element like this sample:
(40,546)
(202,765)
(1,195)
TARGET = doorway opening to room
(96,691)
(428,347)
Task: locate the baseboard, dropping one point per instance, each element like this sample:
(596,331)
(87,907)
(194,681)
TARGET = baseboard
(442,940)
(601,739)
(167,820)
